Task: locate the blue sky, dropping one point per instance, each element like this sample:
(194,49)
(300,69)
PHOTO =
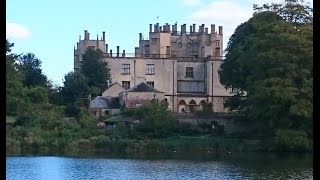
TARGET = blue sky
(50,29)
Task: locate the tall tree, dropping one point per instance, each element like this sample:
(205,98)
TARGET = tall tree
(30,66)
(95,68)
(14,86)
(75,86)
(269,58)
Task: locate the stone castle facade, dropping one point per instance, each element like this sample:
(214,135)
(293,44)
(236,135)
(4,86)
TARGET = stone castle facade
(182,64)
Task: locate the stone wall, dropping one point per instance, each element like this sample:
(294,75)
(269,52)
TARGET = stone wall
(230,125)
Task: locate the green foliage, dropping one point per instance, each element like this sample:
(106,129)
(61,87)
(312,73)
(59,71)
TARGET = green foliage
(14,86)
(291,140)
(72,110)
(269,59)
(75,86)
(95,68)
(30,66)
(94,91)
(206,111)
(37,94)
(155,120)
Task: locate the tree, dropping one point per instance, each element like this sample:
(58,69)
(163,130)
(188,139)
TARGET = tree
(75,86)
(95,68)
(14,86)
(37,94)
(269,58)
(155,119)
(30,66)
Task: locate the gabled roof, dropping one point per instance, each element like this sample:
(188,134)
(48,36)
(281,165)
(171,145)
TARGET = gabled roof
(113,84)
(143,87)
(101,102)
(113,90)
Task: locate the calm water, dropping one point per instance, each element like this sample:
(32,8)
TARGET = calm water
(240,167)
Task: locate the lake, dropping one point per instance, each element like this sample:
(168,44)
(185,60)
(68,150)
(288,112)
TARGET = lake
(244,166)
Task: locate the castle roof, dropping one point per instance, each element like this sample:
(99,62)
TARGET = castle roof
(101,102)
(143,87)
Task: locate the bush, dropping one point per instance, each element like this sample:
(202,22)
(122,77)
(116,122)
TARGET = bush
(155,120)
(292,140)
(207,110)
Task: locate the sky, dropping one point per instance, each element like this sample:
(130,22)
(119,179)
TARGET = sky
(50,29)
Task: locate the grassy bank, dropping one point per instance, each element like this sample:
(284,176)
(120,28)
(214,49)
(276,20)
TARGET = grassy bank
(158,133)
(117,146)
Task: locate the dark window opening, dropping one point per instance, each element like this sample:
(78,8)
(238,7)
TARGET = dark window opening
(125,68)
(150,69)
(189,71)
(126,84)
(150,83)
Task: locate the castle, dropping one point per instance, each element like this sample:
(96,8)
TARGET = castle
(182,65)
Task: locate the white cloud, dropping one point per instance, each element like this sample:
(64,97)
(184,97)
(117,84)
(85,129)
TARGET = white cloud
(17,31)
(226,13)
(192,2)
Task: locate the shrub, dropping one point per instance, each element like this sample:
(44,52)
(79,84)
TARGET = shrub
(292,140)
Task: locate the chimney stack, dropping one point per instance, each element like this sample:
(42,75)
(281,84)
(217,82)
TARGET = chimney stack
(183,28)
(190,29)
(110,53)
(213,28)
(220,30)
(86,35)
(123,53)
(150,27)
(202,28)
(160,29)
(140,36)
(167,28)
(106,48)
(206,30)
(118,48)
(155,28)
(136,51)
(194,27)
(103,36)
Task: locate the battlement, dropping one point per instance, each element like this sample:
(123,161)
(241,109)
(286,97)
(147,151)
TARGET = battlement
(163,42)
(173,29)
(87,36)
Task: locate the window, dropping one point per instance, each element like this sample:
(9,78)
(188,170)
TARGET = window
(189,71)
(126,84)
(179,45)
(168,50)
(150,69)
(146,49)
(150,83)
(217,53)
(217,44)
(107,112)
(189,45)
(125,68)
(154,41)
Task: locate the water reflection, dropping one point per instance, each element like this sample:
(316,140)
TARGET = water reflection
(251,167)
